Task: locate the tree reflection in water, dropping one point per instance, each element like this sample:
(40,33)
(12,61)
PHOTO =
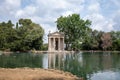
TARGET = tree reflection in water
(89,65)
(85,64)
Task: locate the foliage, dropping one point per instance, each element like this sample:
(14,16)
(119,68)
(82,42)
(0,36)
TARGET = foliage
(115,40)
(74,29)
(45,47)
(106,41)
(7,35)
(79,36)
(25,36)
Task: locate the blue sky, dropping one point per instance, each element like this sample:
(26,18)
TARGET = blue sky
(104,14)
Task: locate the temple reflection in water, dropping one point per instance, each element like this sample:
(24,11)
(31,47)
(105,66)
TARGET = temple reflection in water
(56,60)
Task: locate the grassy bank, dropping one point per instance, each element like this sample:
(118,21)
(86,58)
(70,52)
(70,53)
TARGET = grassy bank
(35,74)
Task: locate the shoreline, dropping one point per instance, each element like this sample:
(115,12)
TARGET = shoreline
(35,74)
(42,52)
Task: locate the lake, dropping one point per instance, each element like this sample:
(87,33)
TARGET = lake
(89,65)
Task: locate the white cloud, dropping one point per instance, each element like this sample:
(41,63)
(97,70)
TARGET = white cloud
(8,9)
(94,8)
(53,4)
(8,6)
(67,13)
(116,19)
(116,2)
(48,28)
(99,22)
(26,12)
(46,12)
(13,3)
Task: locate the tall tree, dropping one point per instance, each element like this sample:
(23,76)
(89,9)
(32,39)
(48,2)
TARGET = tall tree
(115,40)
(7,35)
(106,41)
(30,35)
(74,28)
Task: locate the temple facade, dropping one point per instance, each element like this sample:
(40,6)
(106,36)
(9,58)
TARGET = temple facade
(56,41)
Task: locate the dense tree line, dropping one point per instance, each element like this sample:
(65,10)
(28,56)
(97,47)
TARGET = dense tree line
(79,35)
(27,35)
(23,36)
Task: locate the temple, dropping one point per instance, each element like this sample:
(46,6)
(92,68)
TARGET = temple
(56,41)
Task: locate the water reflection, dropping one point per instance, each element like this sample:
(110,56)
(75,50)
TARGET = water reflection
(56,60)
(90,66)
(68,62)
(21,60)
(45,61)
(107,75)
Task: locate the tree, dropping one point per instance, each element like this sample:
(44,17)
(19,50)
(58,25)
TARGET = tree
(94,40)
(74,29)
(26,36)
(30,35)
(115,40)
(106,41)
(7,35)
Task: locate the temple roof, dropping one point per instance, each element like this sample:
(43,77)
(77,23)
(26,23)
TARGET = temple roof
(56,34)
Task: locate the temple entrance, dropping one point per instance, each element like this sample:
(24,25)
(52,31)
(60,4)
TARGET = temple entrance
(56,41)
(56,44)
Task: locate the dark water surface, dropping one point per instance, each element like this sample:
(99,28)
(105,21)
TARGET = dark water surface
(90,66)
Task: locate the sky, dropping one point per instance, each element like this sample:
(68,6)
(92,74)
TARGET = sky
(104,14)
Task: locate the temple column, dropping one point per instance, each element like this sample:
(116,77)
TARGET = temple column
(49,61)
(53,44)
(62,43)
(54,60)
(59,47)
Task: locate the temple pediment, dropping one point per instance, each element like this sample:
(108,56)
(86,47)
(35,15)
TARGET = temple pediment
(56,41)
(56,34)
